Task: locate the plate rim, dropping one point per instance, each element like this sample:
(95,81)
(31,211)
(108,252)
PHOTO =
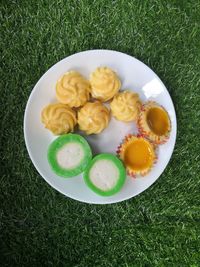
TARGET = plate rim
(26,138)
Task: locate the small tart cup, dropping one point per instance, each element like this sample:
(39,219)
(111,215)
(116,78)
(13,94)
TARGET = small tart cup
(121,179)
(146,129)
(57,144)
(124,148)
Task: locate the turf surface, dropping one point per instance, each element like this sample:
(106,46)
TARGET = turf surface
(39,226)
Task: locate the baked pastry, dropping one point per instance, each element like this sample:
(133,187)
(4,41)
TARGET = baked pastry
(73,89)
(154,122)
(93,118)
(138,155)
(58,118)
(125,106)
(69,155)
(104,83)
(105,175)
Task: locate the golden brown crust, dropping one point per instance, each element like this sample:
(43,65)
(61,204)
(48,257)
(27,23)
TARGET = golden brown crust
(73,89)
(125,106)
(104,83)
(144,127)
(93,118)
(58,118)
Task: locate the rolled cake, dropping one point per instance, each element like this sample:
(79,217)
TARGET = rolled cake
(105,174)
(69,155)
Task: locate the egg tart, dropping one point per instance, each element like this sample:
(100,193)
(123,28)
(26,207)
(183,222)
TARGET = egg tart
(138,155)
(154,122)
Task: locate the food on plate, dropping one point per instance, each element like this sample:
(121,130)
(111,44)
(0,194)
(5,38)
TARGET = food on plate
(73,89)
(58,118)
(93,118)
(154,122)
(69,155)
(104,83)
(105,174)
(138,155)
(125,106)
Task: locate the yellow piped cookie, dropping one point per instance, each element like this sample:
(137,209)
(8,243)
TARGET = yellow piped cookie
(104,83)
(58,118)
(125,106)
(138,155)
(73,89)
(93,118)
(154,122)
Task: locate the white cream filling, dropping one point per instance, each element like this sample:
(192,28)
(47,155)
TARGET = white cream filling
(70,155)
(104,174)
(95,94)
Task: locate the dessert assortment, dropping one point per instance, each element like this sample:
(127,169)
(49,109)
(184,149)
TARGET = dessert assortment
(80,102)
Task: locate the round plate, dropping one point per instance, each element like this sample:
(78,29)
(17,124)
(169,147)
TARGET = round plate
(135,76)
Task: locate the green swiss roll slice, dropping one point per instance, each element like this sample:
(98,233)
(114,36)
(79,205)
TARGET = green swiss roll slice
(69,155)
(105,174)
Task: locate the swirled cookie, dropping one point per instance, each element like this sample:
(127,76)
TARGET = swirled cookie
(104,83)
(58,118)
(93,118)
(125,106)
(73,89)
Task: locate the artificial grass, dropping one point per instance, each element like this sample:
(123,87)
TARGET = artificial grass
(39,226)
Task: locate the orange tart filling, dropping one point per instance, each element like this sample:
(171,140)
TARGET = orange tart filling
(154,123)
(138,155)
(158,121)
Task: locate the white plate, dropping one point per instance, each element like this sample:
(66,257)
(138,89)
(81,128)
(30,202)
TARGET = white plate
(134,75)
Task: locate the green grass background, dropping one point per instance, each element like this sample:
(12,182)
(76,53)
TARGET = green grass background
(41,227)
